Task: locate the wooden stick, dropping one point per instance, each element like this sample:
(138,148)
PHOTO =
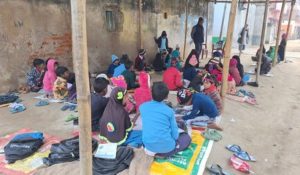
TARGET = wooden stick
(80,64)
(140,40)
(289,24)
(278,33)
(228,48)
(206,32)
(222,25)
(252,2)
(246,20)
(185,27)
(262,42)
(4,105)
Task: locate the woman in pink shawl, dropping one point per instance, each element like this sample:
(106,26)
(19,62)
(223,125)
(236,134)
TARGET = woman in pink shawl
(234,72)
(50,76)
(143,93)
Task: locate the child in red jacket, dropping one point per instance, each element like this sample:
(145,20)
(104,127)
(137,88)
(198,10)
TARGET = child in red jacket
(172,77)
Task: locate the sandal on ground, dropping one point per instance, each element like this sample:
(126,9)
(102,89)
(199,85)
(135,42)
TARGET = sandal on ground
(72,107)
(16,108)
(212,134)
(216,169)
(240,165)
(65,107)
(71,117)
(42,103)
(234,148)
(244,156)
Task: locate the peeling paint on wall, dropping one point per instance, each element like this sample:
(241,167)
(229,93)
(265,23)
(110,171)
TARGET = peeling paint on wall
(42,28)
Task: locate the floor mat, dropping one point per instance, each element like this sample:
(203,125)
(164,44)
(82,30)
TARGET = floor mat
(29,165)
(188,162)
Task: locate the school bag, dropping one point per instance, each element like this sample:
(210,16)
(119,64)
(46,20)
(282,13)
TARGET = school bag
(22,146)
(122,161)
(65,151)
(8,98)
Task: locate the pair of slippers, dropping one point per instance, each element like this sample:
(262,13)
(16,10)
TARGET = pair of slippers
(216,169)
(239,153)
(212,134)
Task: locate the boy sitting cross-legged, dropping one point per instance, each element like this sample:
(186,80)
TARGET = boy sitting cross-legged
(160,132)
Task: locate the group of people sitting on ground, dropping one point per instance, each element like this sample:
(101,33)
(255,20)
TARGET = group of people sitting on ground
(126,89)
(159,125)
(55,81)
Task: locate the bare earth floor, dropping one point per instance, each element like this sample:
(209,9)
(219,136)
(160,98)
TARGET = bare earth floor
(270,131)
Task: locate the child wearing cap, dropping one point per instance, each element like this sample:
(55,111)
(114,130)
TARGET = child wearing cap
(115,63)
(204,109)
(160,132)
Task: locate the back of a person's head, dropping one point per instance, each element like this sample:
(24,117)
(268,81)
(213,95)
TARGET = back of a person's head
(128,64)
(200,19)
(100,84)
(37,62)
(124,58)
(160,91)
(60,70)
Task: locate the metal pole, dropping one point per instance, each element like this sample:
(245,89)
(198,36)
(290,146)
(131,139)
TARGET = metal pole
(246,20)
(228,48)
(222,25)
(262,41)
(80,64)
(278,32)
(185,27)
(140,41)
(289,24)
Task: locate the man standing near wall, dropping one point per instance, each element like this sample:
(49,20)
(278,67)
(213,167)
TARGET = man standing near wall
(197,35)
(243,38)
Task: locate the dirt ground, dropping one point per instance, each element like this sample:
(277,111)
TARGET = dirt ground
(270,130)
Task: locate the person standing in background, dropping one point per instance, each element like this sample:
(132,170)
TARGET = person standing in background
(243,38)
(197,35)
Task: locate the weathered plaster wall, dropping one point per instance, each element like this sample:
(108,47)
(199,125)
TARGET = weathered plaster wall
(42,28)
(30,29)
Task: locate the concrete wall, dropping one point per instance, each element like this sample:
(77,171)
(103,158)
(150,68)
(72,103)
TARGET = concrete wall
(31,29)
(42,28)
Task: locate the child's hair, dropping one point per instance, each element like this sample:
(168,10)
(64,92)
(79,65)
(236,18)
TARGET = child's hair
(128,64)
(160,91)
(37,62)
(124,59)
(211,78)
(100,84)
(60,70)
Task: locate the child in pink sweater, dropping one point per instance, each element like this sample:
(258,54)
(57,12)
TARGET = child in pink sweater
(50,77)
